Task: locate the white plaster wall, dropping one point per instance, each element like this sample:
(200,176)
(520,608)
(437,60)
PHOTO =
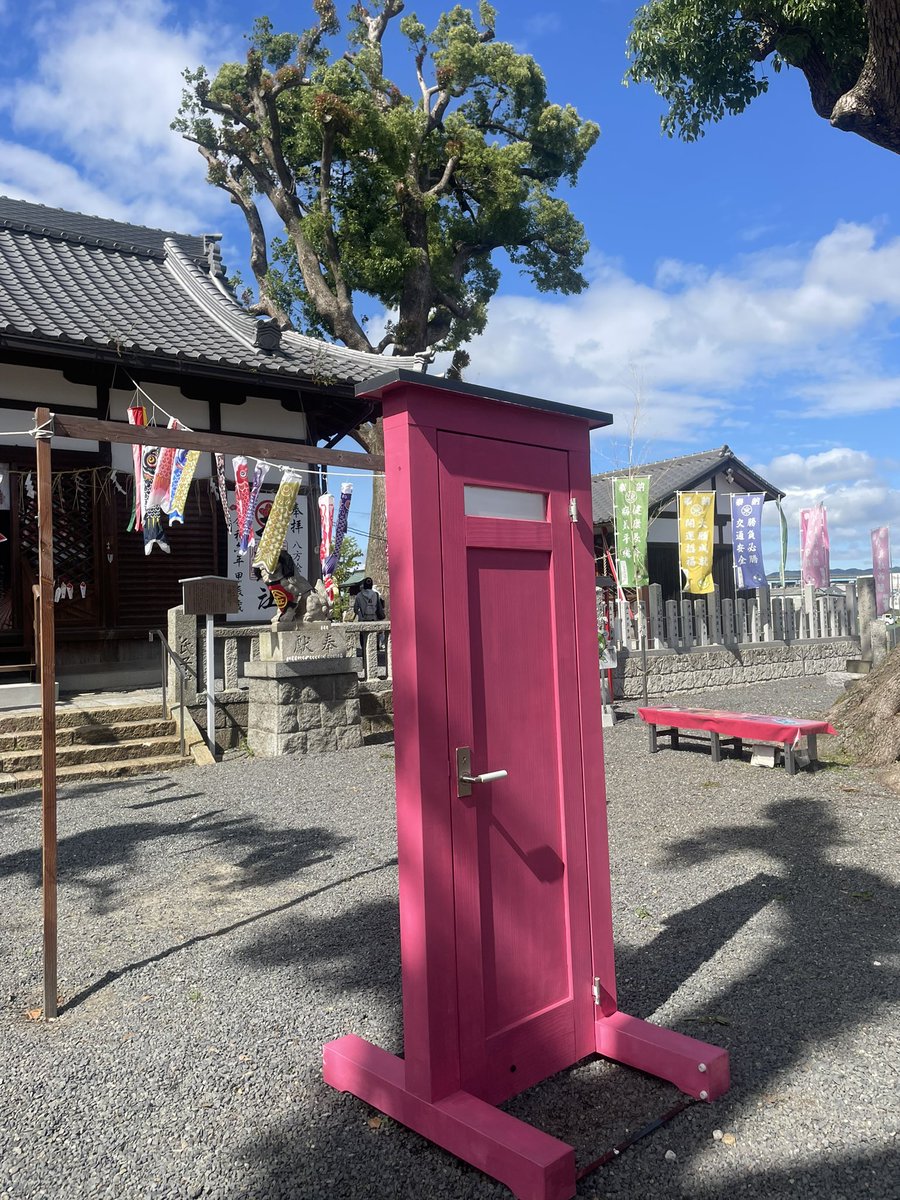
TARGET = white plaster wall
(39,387)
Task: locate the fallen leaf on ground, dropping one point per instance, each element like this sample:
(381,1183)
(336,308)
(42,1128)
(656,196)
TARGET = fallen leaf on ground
(729,1139)
(34,1014)
(374,1122)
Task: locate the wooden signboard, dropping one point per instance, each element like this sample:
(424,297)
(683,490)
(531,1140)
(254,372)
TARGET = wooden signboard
(205,594)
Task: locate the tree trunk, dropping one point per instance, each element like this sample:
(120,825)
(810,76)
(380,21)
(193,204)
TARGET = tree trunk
(872,107)
(371,436)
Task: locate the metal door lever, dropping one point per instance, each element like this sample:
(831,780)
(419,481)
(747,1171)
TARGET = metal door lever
(464,778)
(487,777)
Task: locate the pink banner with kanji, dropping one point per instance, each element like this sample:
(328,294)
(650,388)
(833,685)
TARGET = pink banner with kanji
(881,568)
(815,564)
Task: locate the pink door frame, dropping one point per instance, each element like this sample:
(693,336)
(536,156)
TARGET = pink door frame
(423,1090)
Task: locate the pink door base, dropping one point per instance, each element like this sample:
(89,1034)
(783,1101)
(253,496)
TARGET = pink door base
(532,1164)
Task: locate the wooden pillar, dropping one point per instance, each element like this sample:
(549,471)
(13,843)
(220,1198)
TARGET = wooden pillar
(46,658)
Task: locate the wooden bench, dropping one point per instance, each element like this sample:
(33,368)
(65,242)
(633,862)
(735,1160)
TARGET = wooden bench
(733,729)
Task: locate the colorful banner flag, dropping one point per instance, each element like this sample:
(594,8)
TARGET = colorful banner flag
(631,495)
(815,566)
(881,568)
(223,493)
(326,545)
(241,491)
(182,474)
(340,528)
(162,476)
(137,415)
(275,533)
(696,513)
(784,537)
(746,539)
(248,537)
(154,533)
(257,603)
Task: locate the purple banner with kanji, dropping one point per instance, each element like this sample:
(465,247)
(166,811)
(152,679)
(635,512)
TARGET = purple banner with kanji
(746,539)
(881,568)
(815,565)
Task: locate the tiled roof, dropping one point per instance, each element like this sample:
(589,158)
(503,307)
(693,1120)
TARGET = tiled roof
(672,475)
(88,282)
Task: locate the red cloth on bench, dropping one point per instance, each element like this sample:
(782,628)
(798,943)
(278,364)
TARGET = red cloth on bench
(752,726)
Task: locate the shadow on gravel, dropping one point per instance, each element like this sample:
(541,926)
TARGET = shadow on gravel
(827,973)
(818,980)
(105,861)
(358,951)
(112,976)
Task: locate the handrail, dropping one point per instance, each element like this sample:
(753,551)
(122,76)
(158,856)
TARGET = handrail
(183,671)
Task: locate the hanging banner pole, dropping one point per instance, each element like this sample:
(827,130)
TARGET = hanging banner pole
(47,660)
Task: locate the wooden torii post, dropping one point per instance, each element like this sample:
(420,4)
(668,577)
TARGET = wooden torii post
(46,425)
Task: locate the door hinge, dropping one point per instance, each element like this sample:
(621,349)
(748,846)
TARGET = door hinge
(573,511)
(596,989)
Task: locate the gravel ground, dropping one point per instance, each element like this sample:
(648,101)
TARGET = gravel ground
(218,925)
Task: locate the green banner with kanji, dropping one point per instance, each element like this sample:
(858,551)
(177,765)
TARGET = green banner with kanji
(631,494)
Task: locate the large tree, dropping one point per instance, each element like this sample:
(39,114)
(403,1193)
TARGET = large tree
(706,58)
(388,200)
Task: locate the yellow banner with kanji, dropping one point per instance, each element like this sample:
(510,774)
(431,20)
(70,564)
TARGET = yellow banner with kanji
(696,513)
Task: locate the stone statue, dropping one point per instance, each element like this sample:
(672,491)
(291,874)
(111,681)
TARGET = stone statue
(317,606)
(287,589)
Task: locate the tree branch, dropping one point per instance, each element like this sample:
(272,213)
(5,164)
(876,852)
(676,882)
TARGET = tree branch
(443,182)
(259,257)
(229,111)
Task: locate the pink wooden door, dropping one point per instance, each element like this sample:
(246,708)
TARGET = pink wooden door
(520,878)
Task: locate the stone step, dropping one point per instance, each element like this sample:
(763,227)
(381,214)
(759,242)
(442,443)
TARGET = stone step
(67,718)
(22,780)
(89,735)
(16,761)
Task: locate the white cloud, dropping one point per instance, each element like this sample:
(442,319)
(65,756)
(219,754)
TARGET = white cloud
(544,23)
(105,86)
(854,489)
(28,174)
(840,464)
(801,324)
(857,393)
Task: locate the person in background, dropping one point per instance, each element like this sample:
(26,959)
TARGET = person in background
(368,604)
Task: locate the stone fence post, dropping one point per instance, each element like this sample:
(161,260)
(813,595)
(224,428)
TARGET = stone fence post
(866,613)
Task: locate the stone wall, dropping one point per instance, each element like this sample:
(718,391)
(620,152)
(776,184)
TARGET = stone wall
(671,671)
(305,707)
(231,713)
(376,708)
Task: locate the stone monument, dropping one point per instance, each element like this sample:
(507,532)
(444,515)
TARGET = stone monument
(303,687)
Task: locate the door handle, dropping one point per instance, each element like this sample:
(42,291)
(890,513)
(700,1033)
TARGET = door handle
(464,777)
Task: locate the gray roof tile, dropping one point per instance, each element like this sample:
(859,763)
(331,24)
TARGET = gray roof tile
(84,280)
(671,475)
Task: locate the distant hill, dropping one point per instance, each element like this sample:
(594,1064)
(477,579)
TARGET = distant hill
(836,573)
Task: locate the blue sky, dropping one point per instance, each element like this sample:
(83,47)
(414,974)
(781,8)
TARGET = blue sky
(744,289)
